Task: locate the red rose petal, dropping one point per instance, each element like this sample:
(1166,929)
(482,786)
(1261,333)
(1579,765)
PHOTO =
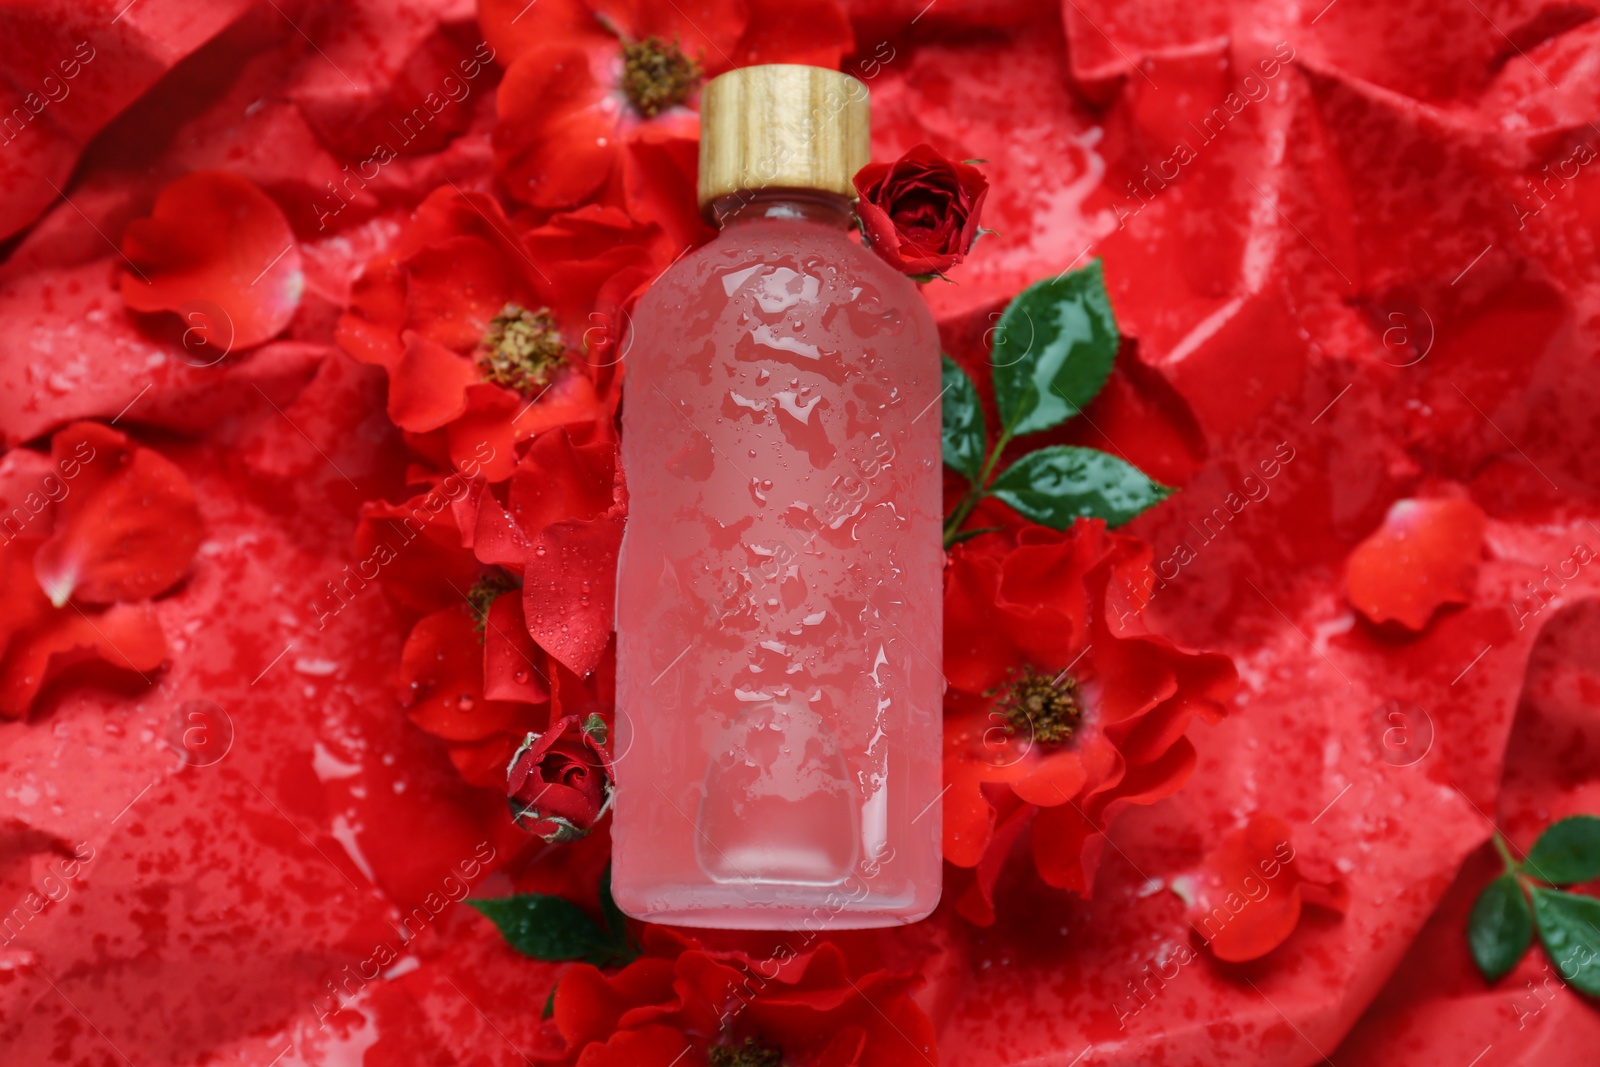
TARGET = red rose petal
(969,818)
(588,1004)
(128,526)
(484,762)
(486,431)
(441,679)
(515,27)
(814,33)
(126,636)
(1246,899)
(976,905)
(455,286)
(654,1045)
(370,327)
(660,162)
(570,399)
(1066,848)
(497,539)
(416,549)
(429,386)
(559,480)
(419,285)
(976,650)
(1425,554)
(1055,779)
(706,30)
(579,251)
(569,589)
(557,133)
(218,251)
(510,658)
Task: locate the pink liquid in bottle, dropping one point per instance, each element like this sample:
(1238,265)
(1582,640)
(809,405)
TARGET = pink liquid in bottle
(779,597)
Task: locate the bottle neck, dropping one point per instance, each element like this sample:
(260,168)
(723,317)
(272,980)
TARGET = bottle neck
(792,205)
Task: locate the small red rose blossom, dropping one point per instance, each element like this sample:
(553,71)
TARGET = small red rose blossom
(559,782)
(920,213)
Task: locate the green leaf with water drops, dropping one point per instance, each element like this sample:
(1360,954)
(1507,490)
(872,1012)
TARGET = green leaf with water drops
(1569,926)
(1055,485)
(1568,852)
(543,926)
(616,921)
(553,928)
(965,436)
(1053,350)
(1501,927)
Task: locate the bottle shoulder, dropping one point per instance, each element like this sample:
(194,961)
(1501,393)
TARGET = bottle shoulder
(765,260)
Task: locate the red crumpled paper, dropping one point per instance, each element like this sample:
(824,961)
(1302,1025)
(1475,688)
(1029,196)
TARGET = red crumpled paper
(1359,277)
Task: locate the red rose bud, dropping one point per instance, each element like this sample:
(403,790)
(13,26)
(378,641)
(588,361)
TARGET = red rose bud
(559,782)
(920,213)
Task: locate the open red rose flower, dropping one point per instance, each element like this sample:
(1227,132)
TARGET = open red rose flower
(559,782)
(920,213)
(684,1002)
(1269,592)
(483,329)
(469,673)
(590,83)
(1062,709)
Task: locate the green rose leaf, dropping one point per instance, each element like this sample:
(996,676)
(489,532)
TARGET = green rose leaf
(551,928)
(1053,350)
(1569,926)
(616,921)
(965,437)
(1568,852)
(1055,485)
(1500,928)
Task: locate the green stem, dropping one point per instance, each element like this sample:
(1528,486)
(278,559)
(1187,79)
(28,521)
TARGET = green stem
(976,492)
(1505,853)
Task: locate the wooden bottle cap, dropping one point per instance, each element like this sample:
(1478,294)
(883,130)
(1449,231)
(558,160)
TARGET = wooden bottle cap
(782,126)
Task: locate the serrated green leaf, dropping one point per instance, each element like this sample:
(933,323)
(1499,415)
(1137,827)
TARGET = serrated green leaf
(1053,350)
(1568,852)
(965,436)
(548,928)
(1500,928)
(1569,926)
(1055,485)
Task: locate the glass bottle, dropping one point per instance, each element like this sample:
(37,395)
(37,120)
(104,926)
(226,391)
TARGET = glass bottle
(779,596)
